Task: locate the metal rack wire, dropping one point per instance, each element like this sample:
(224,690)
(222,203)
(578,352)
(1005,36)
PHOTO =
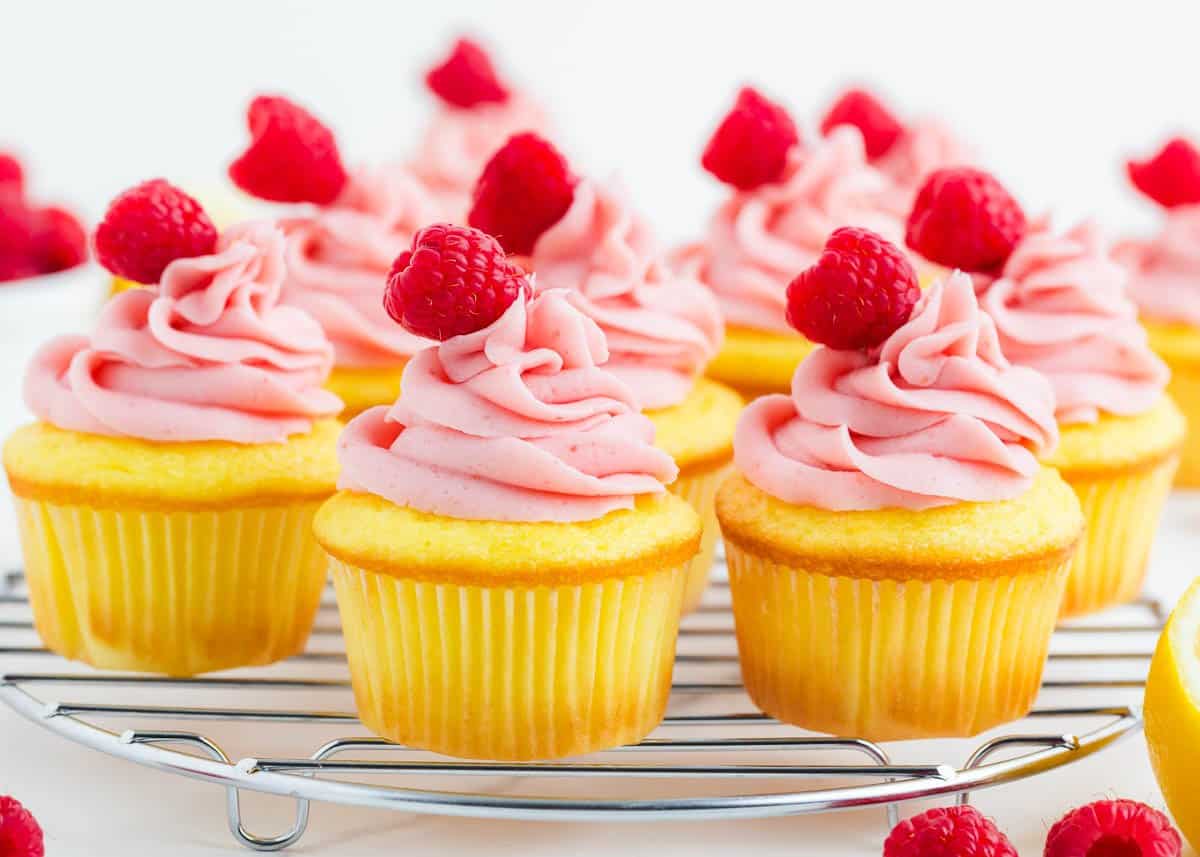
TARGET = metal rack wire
(713,757)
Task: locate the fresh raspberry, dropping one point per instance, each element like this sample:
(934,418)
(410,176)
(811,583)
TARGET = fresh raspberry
(59,241)
(525,189)
(860,291)
(12,176)
(20,834)
(454,280)
(750,146)
(1172,177)
(148,227)
(292,156)
(1113,828)
(964,218)
(466,77)
(956,831)
(17,229)
(880,129)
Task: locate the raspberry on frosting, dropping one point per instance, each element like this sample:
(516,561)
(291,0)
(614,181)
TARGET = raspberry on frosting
(455,280)
(860,291)
(12,175)
(956,831)
(750,147)
(964,218)
(1113,828)
(149,226)
(59,241)
(1172,177)
(879,127)
(466,77)
(292,156)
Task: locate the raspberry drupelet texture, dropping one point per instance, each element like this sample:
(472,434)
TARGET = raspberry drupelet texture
(523,190)
(292,156)
(1172,177)
(454,280)
(149,226)
(964,218)
(750,146)
(860,291)
(879,128)
(466,77)
(1113,828)
(20,834)
(957,831)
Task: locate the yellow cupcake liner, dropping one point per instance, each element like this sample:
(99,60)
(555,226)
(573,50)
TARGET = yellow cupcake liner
(700,490)
(1184,388)
(510,673)
(1122,513)
(177,592)
(889,659)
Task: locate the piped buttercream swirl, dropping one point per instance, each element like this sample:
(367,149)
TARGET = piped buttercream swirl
(1165,270)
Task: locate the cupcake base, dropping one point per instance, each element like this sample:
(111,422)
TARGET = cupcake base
(363,388)
(1179,346)
(758,362)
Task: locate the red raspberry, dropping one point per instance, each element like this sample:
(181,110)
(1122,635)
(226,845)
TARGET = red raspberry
(525,189)
(148,227)
(12,177)
(17,229)
(1113,828)
(861,290)
(59,240)
(1172,177)
(454,280)
(956,831)
(20,834)
(466,77)
(750,146)
(880,129)
(964,218)
(292,156)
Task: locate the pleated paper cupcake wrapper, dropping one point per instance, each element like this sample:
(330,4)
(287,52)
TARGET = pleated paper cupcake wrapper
(700,490)
(1184,388)
(175,592)
(888,660)
(510,673)
(1122,514)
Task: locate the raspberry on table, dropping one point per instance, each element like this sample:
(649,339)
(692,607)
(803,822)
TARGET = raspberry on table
(1172,177)
(860,291)
(523,190)
(750,146)
(59,241)
(149,226)
(955,831)
(20,834)
(1113,828)
(880,129)
(292,156)
(964,218)
(455,280)
(466,77)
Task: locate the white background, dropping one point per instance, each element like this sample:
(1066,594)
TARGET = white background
(99,95)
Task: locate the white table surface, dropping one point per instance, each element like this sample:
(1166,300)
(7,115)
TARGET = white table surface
(90,804)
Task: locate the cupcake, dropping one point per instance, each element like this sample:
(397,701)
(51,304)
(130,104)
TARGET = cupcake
(1060,307)
(476,112)
(509,565)
(165,495)
(340,245)
(662,328)
(1165,282)
(897,554)
(786,199)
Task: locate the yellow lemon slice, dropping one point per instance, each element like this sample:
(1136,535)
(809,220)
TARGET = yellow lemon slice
(1173,714)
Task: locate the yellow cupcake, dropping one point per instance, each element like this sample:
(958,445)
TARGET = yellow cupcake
(1179,347)
(698,434)
(757,362)
(509,640)
(362,388)
(892,624)
(177,558)
(1121,468)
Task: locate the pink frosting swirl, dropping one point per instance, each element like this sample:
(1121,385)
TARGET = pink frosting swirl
(662,329)
(206,355)
(1165,270)
(460,140)
(759,240)
(934,416)
(515,422)
(1060,307)
(925,146)
(339,256)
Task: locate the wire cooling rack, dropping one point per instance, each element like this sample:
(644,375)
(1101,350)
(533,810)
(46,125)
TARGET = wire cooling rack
(290,730)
